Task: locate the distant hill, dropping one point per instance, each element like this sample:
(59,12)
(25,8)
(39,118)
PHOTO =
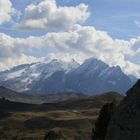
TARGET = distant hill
(37,98)
(96,101)
(72,103)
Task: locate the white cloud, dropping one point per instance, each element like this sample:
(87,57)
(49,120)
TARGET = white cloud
(78,43)
(6,11)
(47,15)
(70,41)
(9,62)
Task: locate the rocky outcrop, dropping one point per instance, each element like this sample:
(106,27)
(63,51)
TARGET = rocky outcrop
(125,124)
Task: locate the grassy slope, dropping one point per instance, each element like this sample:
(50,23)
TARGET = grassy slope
(74,117)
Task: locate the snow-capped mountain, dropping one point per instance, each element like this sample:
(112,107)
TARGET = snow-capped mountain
(95,77)
(20,78)
(91,77)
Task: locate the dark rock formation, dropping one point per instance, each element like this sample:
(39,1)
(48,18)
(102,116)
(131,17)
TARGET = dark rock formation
(125,124)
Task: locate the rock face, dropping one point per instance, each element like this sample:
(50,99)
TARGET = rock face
(125,124)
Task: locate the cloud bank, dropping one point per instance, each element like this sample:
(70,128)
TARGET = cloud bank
(78,43)
(70,40)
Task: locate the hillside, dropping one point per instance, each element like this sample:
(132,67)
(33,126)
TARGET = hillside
(74,116)
(91,102)
(125,123)
(37,98)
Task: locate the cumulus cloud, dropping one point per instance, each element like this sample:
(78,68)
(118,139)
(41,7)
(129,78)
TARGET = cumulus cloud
(71,41)
(78,43)
(10,62)
(6,11)
(47,15)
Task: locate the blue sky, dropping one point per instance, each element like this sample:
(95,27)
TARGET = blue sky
(118,18)
(34,30)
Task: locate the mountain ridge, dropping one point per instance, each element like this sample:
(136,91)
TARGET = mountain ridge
(91,77)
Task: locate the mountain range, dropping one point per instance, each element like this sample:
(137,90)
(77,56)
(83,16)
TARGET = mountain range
(91,77)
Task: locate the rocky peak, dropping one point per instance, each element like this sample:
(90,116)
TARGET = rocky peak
(125,124)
